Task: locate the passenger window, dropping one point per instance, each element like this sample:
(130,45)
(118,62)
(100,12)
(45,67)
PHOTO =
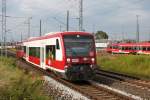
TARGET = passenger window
(148,49)
(144,48)
(24,49)
(57,44)
(34,51)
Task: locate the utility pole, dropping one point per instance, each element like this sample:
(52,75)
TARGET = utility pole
(40,27)
(80,15)
(3,45)
(137,32)
(67,27)
(29,26)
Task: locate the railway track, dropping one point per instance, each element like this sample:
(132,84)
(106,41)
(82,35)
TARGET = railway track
(127,83)
(95,92)
(88,89)
(125,78)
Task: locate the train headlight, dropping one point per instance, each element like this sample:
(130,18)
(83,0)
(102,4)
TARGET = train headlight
(68,60)
(66,67)
(93,60)
(85,59)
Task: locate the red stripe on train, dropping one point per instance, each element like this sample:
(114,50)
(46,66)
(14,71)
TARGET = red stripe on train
(34,60)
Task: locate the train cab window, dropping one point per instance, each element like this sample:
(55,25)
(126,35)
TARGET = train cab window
(57,44)
(50,52)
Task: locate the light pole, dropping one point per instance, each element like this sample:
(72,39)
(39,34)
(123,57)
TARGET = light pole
(40,27)
(67,25)
(29,24)
(137,32)
(80,15)
(5,42)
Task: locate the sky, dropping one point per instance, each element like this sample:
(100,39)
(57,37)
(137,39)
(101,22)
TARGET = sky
(115,17)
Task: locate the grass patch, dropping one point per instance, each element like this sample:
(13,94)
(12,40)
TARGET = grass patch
(16,85)
(135,65)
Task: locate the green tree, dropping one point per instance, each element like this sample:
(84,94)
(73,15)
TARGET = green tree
(101,35)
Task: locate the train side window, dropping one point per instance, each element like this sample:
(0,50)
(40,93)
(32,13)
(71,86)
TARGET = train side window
(37,50)
(57,44)
(130,48)
(125,48)
(148,49)
(120,48)
(135,48)
(144,48)
(24,49)
(34,51)
(115,47)
(31,51)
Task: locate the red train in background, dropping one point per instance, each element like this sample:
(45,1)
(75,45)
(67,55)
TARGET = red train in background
(70,54)
(112,48)
(129,48)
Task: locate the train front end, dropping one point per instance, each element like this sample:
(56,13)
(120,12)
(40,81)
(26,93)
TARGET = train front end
(80,55)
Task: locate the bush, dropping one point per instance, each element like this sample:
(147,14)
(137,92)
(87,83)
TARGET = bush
(16,85)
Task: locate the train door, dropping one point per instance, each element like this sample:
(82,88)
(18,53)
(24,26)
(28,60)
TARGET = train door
(53,57)
(42,54)
(50,54)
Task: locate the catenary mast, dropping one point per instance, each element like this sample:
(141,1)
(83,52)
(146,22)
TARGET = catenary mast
(3,38)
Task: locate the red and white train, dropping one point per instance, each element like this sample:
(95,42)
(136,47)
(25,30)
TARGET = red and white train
(129,48)
(71,54)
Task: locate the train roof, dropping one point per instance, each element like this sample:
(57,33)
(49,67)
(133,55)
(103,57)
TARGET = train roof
(53,34)
(143,44)
(131,44)
(65,33)
(122,44)
(113,44)
(127,44)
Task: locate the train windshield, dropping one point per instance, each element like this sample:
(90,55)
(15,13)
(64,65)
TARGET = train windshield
(79,45)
